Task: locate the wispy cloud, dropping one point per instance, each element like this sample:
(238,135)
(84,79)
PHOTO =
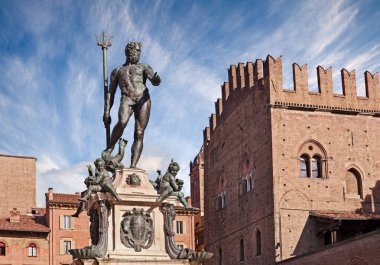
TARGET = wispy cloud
(332,19)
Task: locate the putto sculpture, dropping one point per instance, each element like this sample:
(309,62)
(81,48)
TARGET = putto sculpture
(131,78)
(97,181)
(169,185)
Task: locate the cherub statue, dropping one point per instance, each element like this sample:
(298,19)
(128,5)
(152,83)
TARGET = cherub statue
(170,185)
(99,181)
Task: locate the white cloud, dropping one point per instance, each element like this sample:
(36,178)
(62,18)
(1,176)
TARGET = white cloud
(67,179)
(45,164)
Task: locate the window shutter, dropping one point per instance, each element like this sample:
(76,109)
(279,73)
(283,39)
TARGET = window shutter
(61,248)
(72,222)
(184,227)
(72,244)
(61,222)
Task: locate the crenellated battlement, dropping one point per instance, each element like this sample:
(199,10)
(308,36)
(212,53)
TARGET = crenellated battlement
(266,77)
(324,98)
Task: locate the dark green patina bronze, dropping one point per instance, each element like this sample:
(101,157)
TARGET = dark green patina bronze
(169,185)
(131,78)
(105,44)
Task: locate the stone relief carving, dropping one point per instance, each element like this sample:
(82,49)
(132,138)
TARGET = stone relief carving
(137,230)
(133,180)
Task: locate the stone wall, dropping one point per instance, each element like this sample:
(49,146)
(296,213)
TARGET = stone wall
(348,143)
(361,250)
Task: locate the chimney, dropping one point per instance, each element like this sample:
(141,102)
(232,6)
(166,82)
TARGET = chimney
(15,216)
(50,194)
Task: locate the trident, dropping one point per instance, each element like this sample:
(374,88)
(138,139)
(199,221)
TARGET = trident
(105,44)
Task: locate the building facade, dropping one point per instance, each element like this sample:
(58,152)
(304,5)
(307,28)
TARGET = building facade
(290,172)
(24,239)
(197,196)
(18,174)
(184,225)
(67,232)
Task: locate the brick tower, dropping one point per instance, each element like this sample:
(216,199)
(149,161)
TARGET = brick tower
(288,172)
(18,175)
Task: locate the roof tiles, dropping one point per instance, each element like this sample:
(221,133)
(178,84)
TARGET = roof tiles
(65,198)
(27,224)
(345,215)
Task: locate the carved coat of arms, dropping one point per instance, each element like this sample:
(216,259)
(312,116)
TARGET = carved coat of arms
(137,230)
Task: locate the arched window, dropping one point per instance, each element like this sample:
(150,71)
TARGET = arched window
(258,243)
(316,167)
(32,250)
(312,160)
(222,200)
(304,166)
(353,183)
(2,249)
(241,250)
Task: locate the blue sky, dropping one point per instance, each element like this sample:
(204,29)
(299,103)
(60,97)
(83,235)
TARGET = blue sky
(51,94)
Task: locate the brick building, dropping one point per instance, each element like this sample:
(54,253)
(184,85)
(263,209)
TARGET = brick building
(24,239)
(184,225)
(197,196)
(67,232)
(18,174)
(292,173)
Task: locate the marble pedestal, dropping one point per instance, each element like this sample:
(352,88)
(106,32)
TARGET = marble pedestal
(142,196)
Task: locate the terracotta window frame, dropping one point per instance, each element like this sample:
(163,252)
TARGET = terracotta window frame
(32,250)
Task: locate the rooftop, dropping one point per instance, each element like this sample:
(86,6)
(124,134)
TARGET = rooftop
(63,198)
(15,156)
(27,224)
(332,215)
